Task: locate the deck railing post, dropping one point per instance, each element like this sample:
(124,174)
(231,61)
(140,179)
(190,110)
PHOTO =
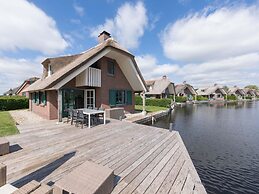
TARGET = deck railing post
(144,103)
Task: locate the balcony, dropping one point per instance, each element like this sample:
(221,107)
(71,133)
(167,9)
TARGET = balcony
(89,77)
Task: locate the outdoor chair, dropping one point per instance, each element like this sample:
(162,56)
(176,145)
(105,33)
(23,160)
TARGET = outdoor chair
(74,116)
(81,118)
(70,115)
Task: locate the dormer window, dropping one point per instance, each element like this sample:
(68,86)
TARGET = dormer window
(49,70)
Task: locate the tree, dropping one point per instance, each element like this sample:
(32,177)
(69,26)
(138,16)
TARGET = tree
(253,87)
(225,88)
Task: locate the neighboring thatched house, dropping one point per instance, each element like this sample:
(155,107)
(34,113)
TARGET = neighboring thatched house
(21,90)
(236,91)
(186,90)
(257,93)
(11,92)
(249,93)
(215,92)
(160,88)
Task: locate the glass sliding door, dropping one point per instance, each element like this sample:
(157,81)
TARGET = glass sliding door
(72,98)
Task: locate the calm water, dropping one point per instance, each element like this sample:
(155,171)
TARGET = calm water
(223,141)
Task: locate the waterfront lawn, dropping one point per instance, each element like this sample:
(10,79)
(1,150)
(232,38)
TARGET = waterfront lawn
(150,108)
(7,124)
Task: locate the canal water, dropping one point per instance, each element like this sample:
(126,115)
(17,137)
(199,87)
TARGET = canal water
(223,142)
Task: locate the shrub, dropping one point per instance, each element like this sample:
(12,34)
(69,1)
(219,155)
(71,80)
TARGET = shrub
(138,100)
(164,102)
(248,97)
(201,98)
(13,103)
(181,99)
(231,97)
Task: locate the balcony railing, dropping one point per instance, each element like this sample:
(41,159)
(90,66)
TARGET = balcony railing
(89,77)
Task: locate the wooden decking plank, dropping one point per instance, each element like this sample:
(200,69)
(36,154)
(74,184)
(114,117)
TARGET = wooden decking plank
(153,174)
(158,181)
(121,160)
(126,165)
(70,148)
(136,176)
(188,186)
(61,140)
(83,154)
(75,162)
(179,182)
(29,162)
(169,180)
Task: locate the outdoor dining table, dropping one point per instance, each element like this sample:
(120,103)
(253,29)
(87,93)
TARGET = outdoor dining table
(90,112)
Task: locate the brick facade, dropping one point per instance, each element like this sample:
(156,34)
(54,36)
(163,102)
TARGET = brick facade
(48,111)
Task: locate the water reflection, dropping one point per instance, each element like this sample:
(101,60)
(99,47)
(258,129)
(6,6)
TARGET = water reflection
(223,141)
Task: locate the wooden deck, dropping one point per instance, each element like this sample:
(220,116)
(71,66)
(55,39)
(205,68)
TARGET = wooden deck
(145,159)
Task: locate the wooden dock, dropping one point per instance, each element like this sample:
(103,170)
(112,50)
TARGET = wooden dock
(144,159)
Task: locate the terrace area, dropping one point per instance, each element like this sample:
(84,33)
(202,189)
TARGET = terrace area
(144,159)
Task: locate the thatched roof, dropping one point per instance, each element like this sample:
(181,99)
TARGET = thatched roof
(73,62)
(30,81)
(11,91)
(179,88)
(234,90)
(249,91)
(158,86)
(210,90)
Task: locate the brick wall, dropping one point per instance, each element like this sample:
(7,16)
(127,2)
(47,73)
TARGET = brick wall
(48,111)
(118,82)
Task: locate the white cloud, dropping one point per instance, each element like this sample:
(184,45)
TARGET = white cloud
(242,70)
(212,35)
(25,26)
(79,9)
(15,71)
(150,68)
(127,26)
(216,45)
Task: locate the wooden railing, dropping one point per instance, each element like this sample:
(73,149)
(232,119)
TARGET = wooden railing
(89,77)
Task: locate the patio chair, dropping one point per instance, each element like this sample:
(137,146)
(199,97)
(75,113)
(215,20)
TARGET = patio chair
(81,118)
(74,116)
(70,115)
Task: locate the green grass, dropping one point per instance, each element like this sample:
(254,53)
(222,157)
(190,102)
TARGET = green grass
(7,124)
(150,108)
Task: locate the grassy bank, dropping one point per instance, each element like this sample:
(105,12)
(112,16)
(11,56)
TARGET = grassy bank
(150,108)
(7,124)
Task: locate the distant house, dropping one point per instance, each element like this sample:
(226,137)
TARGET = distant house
(257,93)
(21,91)
(160,88)
(215,92)
(11,92)
(249,93)
(236,91)
(186,90)
(105,75)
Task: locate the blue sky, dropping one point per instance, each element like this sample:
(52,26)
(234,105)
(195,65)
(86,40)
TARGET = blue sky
(202,42)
